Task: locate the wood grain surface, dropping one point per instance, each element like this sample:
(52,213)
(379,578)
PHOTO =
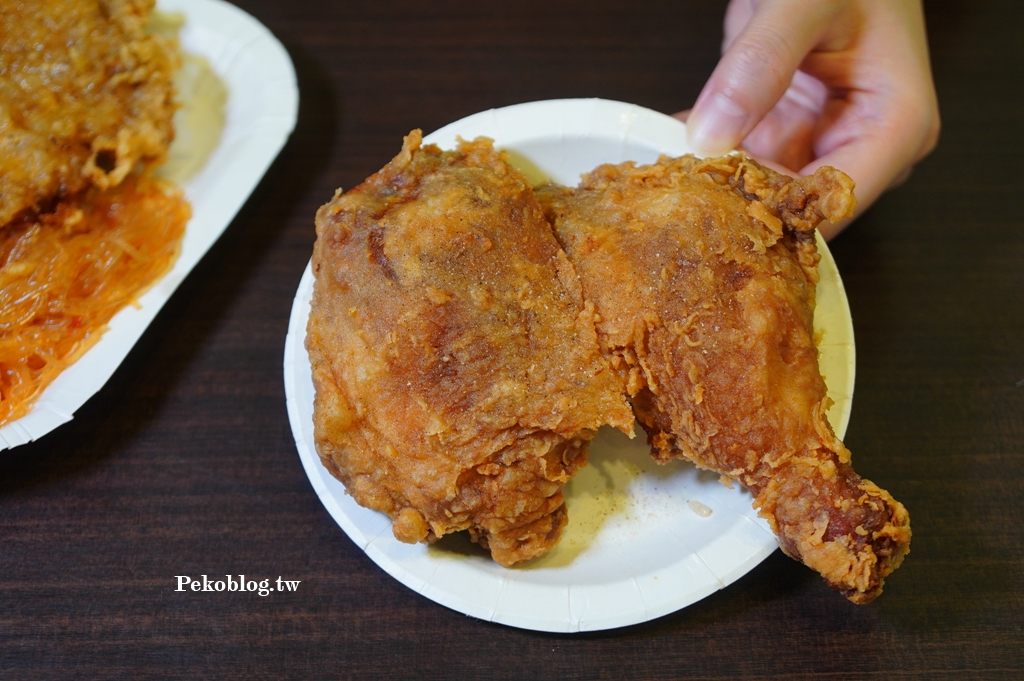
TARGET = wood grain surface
(184,464)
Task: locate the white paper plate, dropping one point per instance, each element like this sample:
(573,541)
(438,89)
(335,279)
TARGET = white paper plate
(261,110)
(634,548)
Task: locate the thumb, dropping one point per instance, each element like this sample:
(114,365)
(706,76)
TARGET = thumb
(755,71)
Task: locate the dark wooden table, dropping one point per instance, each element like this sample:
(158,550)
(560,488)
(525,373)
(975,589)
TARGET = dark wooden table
(185,464)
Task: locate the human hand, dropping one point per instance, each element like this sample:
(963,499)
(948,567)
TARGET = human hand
(806,83)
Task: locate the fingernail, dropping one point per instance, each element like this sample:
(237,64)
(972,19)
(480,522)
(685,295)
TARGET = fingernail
(716,127)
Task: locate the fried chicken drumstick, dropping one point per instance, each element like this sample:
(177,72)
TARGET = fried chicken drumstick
(703,273)
(457,371)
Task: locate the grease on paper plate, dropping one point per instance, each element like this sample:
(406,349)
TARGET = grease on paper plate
(200,119)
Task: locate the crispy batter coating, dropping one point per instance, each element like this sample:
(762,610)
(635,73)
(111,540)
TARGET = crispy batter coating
(457,371)
(85,96)
(703,273)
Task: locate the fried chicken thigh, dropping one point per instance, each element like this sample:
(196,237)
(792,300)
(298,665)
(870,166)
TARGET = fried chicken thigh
(85,96)
(703,273)
(457,370)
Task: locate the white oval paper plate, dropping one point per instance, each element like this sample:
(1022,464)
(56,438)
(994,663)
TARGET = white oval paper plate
(260,114)
(634,548)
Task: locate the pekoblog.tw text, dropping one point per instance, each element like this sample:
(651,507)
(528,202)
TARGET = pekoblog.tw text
(231,583)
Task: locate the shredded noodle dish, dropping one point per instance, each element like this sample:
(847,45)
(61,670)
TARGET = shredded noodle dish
(66,273)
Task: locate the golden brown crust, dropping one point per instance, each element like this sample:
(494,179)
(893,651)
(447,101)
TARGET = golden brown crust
(85,96)
(457,371)
(703,273)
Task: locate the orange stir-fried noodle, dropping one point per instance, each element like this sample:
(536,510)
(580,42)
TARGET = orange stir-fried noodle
(64,274)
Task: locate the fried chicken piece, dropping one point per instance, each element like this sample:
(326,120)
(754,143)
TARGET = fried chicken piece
(85,96)
(703,273)
(457,371)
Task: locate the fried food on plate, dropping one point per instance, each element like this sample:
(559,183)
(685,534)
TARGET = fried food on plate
(85,96)
(703,275)
(457,371)
(85,103)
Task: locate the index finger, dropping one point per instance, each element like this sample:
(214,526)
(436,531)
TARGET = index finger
(755,71)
